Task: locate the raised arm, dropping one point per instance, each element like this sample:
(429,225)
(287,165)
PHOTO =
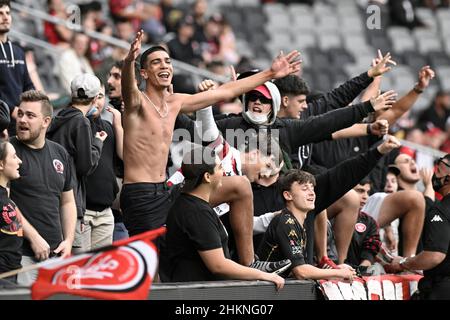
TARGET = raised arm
(378,128)
(406,102)
(374,87)
(282,66)
(320,128)
(347,92)
(335,182)
(130,90)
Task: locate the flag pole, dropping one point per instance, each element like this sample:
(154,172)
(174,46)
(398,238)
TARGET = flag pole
(30,267)
(17,271)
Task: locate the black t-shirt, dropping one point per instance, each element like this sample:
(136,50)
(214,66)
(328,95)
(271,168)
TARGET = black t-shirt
(365,242)
(285,238)
(44,174)
(192,226)
(11,234)
(436,235)
(265,199)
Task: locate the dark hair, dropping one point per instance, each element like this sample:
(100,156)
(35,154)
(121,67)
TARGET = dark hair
(118,64)
(149,51)
(82,101)
(294,175)
(5,3)
(364,181)
(196,162)
(3,143)
(38,96)
(292,85)
(266,144)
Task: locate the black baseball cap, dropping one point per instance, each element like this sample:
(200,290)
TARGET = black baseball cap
(392,168)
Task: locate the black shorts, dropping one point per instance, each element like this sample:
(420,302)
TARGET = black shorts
(145,205)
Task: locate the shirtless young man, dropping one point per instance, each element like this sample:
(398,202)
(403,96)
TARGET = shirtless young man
(148,123)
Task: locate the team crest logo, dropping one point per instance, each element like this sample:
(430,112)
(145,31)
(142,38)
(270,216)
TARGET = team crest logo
(119,270)
(360,227)
(59,167)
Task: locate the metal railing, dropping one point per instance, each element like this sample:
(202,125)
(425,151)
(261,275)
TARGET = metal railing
(424,149)
(185,67)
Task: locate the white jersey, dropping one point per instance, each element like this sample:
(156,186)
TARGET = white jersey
(231,163)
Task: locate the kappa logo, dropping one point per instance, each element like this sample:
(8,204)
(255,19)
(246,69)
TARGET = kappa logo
(58,165)
(360,227)
(436,218)
(290,221)
(292,233)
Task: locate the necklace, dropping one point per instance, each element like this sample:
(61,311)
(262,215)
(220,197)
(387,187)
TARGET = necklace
(165,113)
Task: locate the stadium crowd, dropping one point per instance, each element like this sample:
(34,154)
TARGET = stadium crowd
(259,178)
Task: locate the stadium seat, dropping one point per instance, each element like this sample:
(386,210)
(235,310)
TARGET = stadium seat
(283,39)
(402,44)
(414,59)
(303,22)
(250,3)
(403,83)
(429,44)
(329,40)
(340,57)
(323,81)
(301,9)
(319,60)
(274,8)
(304,40)
(438,59)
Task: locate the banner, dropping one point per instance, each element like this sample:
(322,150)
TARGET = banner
(384,287)
(124,270)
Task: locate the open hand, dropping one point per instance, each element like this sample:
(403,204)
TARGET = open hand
(135,48)
(284,65)
(381,67)
(383,101)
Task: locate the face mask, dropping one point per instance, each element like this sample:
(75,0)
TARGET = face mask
(437,182)
(257,118)
(91,112)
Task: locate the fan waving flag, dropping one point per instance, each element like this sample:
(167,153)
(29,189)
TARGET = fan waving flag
(122,271)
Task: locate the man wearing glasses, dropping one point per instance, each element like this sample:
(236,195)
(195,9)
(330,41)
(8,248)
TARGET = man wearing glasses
(434,259)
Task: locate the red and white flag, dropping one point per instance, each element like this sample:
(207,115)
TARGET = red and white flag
(122,271)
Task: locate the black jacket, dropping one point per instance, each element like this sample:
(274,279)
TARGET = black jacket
(330,186)
(101,185)
(340,97)
(4,115)
(293,133)
(14,77)
(72,130)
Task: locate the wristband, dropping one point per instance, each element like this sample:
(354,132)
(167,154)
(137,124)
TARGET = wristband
(369,130)
(402,262)
(417,90)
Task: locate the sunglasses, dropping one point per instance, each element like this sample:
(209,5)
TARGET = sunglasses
(256,96)
(445,163)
